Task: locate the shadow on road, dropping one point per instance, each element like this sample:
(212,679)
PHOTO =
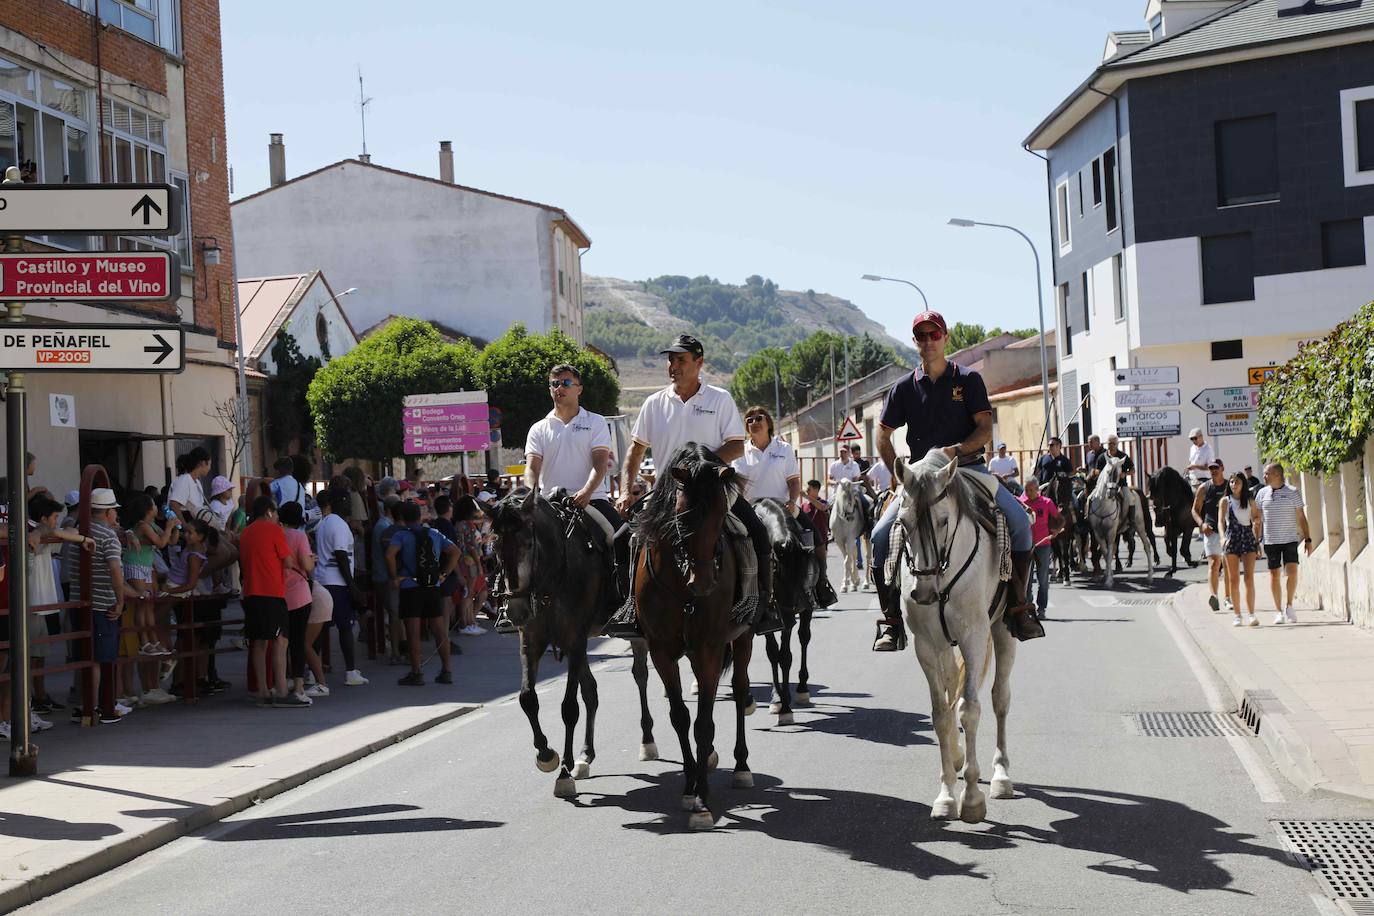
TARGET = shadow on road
(896,727)
(29,827)
(323,824)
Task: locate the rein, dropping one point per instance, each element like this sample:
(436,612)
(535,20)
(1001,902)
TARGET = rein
(943,560)
(541,597)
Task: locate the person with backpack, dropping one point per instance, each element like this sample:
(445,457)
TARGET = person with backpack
(285,487)
(419,559)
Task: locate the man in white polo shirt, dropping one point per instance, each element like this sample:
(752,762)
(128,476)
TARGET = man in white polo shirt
(689,410)
(844,468)
(1200,455)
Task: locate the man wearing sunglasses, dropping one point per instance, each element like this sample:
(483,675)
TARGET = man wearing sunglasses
(946,406)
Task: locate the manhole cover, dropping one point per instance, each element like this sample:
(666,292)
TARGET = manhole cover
(1186,724)
(1339,853)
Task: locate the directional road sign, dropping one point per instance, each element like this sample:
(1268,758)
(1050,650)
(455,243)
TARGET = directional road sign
(1148,397)
(92,348)
(144,275)
(1258,375)
(1148,375)
(1228,400)
(133,209)
(1232,423)
(849,431)
(1149,423)
(444,424)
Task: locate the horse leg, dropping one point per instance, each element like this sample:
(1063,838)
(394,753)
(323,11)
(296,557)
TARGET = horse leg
(803,694)
(743,649)
(782,702)
(865,580)
(707,663)
(770,645)
(943,807)
(532,648)
(973,804)
(665,663)
(591,700)
(1004,649)
(648,750)
(565,787)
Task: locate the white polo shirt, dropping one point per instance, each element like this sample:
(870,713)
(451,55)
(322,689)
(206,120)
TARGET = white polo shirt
(845,470)
(767,470)
(666,422)
(1203,455)
(880,477)
(566,450)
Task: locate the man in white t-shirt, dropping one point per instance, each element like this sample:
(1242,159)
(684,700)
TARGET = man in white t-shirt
(880,477)
(1004,468)
(334,547)
(186,496)
(689,410)
(844,468)
(1200,455)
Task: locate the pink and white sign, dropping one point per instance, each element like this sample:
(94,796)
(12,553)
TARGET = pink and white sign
(442,424)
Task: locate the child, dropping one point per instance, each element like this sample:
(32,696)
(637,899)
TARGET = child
(186,558)
(145,538)
(222,503)
(44,514)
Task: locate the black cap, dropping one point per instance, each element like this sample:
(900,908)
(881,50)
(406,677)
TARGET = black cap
(685,343)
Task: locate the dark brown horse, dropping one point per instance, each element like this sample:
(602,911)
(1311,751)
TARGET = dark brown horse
(684,586)
(1059,490)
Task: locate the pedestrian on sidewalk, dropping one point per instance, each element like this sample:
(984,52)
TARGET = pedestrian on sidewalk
(1283,519)
(419,559)
(1239,524)
(264,559)
(299,600)
(107,592)
(1206,503)
(1045,524)
(187,493)
(451,589)
(384,596)
(334,548)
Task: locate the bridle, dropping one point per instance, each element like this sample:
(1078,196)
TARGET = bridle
(925,528)
(537,597)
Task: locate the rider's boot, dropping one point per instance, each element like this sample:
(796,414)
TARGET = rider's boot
(891,635)
(624,623)
(825,592)
(766,618)
(1021,617)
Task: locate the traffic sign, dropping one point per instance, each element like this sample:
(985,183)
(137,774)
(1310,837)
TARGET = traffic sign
(1258,375)
(108,276)
(849,431)
(1149,423)
(1148,375)
(1224,400)
(443,424)
(1148,397)
(133,209)
(92,348)
(1234,423)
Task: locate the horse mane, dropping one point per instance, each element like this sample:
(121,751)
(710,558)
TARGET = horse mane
(783,530)
(1110,474)
(656,518)
(922,485)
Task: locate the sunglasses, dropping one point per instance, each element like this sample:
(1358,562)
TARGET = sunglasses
(562,383)
(923,336)
(750,421)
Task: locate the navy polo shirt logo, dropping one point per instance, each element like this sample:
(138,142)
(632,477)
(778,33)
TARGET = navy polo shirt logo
(957,394)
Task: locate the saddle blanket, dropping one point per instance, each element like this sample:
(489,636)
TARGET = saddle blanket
(747,570)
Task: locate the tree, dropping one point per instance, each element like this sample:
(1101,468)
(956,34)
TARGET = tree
(288,417)
(967,335)
(232,416)
(514,370)
(755,377)
(806,365)
(356,399)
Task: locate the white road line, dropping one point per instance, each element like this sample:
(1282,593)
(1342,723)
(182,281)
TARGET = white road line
(1260,777)
(1325,905)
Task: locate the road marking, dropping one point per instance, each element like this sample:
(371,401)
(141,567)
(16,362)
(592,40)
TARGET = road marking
(1325,905)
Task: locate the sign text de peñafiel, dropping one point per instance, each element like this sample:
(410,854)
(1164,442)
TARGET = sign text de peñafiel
(92,347)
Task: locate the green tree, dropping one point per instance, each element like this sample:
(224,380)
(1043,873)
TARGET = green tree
(287,408)
(356,399)
(754,380)
(514,370)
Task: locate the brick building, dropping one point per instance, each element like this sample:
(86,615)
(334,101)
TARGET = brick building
(145,77)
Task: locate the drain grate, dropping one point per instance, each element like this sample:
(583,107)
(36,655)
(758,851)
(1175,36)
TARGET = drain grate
(1255,703)
(1339,853)
(1186,724)
(1360,907)
(1141,602)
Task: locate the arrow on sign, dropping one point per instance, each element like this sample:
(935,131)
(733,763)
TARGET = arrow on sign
(147,205)
(165,350)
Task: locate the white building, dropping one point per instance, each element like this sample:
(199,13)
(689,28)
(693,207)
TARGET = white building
(423,247)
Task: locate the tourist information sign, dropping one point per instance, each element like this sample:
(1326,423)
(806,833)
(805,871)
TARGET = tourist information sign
(92,348)
(107,276)
(445,424)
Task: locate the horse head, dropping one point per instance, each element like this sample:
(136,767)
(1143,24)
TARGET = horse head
(795,570)
(514,522)
(691,502)
(928,518)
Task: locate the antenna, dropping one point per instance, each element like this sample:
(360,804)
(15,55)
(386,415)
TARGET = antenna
(363,101)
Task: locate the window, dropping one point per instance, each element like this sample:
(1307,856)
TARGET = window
(1087,303)
(134,150)
(1343,243)
(322,332)
(1228,349)
(1228,269)
(1097,182)
(1156,27)
(1118,287)
(1061,196)
(1357,135)
(1062,291)
(1247,161)
(137,17)
(1080,193)
(1109,186)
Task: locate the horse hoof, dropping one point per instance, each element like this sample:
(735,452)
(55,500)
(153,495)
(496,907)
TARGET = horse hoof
(713,761)
(743,779)
(785,718)
(565,787)
(689,803)
(582,769)
(750,708)
(547,764)
(1001,788)
(701,820)
(648,751)
(775,707)
(801,698)
(942,810)
(973,812)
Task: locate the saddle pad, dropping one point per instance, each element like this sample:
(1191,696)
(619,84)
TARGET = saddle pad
(1003,548)
(896,543)
(987,482)
(735,529)
(746,573)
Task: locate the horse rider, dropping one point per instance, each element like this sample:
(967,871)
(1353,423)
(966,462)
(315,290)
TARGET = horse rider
(570,449)
(1053,463)
(945,406)
(1200,458)
(846,468)
(1114,452)
(865,472)
(1091,453)
(689,410)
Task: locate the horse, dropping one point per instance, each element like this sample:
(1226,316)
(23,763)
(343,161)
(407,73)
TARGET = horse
(559,590)
(848,523)
(685,594)
(949,522)
(796,571)
(1059,489)
(1111,507)
(1173,505)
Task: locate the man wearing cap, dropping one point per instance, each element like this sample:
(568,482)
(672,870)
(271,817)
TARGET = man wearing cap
(1004,468)
(1205,506)
(107,586)
(1200,455)
(689,410)
(944,405)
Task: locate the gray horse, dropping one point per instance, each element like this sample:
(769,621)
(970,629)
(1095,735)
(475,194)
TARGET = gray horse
(1113,508)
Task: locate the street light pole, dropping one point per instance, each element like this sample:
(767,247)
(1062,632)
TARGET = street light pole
(1040,298)
(875,278)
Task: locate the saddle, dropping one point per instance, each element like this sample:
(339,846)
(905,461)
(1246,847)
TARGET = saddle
(584,522)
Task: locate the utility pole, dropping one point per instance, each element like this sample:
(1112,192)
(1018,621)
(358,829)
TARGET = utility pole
(23,755)
(847,414)
(834,420)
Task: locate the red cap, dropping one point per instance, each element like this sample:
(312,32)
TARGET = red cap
(934,318)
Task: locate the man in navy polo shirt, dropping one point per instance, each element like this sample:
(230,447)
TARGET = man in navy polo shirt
(945,406)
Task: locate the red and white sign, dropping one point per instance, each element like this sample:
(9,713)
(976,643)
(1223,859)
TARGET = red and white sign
(101,276)
(849,431)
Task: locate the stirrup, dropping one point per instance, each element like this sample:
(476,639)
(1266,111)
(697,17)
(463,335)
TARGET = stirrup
(624,623)
(1024,623)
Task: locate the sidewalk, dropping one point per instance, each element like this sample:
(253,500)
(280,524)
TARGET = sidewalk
(1310,684)
(107,794)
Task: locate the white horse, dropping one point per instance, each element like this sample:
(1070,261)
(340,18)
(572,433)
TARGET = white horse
(847,526)
(1112,508)
(949,520)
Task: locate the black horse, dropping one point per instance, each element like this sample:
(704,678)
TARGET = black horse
(560,590)
(1173,504)
(1059,490)
(1129,535)
(795,573)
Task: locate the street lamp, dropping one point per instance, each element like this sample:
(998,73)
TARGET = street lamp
(875,278)
(1040,296)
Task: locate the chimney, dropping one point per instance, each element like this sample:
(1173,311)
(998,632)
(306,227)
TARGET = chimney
(446,161)
(365,157)
(276,160)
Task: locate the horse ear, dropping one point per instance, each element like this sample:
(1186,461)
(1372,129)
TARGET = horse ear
(899,469)
(527,504)
(950,470)
(682,475)
(727,474)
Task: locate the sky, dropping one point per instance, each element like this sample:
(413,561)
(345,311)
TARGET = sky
(808,142)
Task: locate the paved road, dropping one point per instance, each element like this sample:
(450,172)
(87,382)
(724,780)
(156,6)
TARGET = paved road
(1104,820)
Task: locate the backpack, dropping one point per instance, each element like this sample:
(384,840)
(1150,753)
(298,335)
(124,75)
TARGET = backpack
(426,559)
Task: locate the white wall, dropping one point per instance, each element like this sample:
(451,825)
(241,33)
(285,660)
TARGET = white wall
(301,326)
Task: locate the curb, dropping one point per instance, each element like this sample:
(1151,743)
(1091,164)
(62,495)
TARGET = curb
(125,851)
(1255,688)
